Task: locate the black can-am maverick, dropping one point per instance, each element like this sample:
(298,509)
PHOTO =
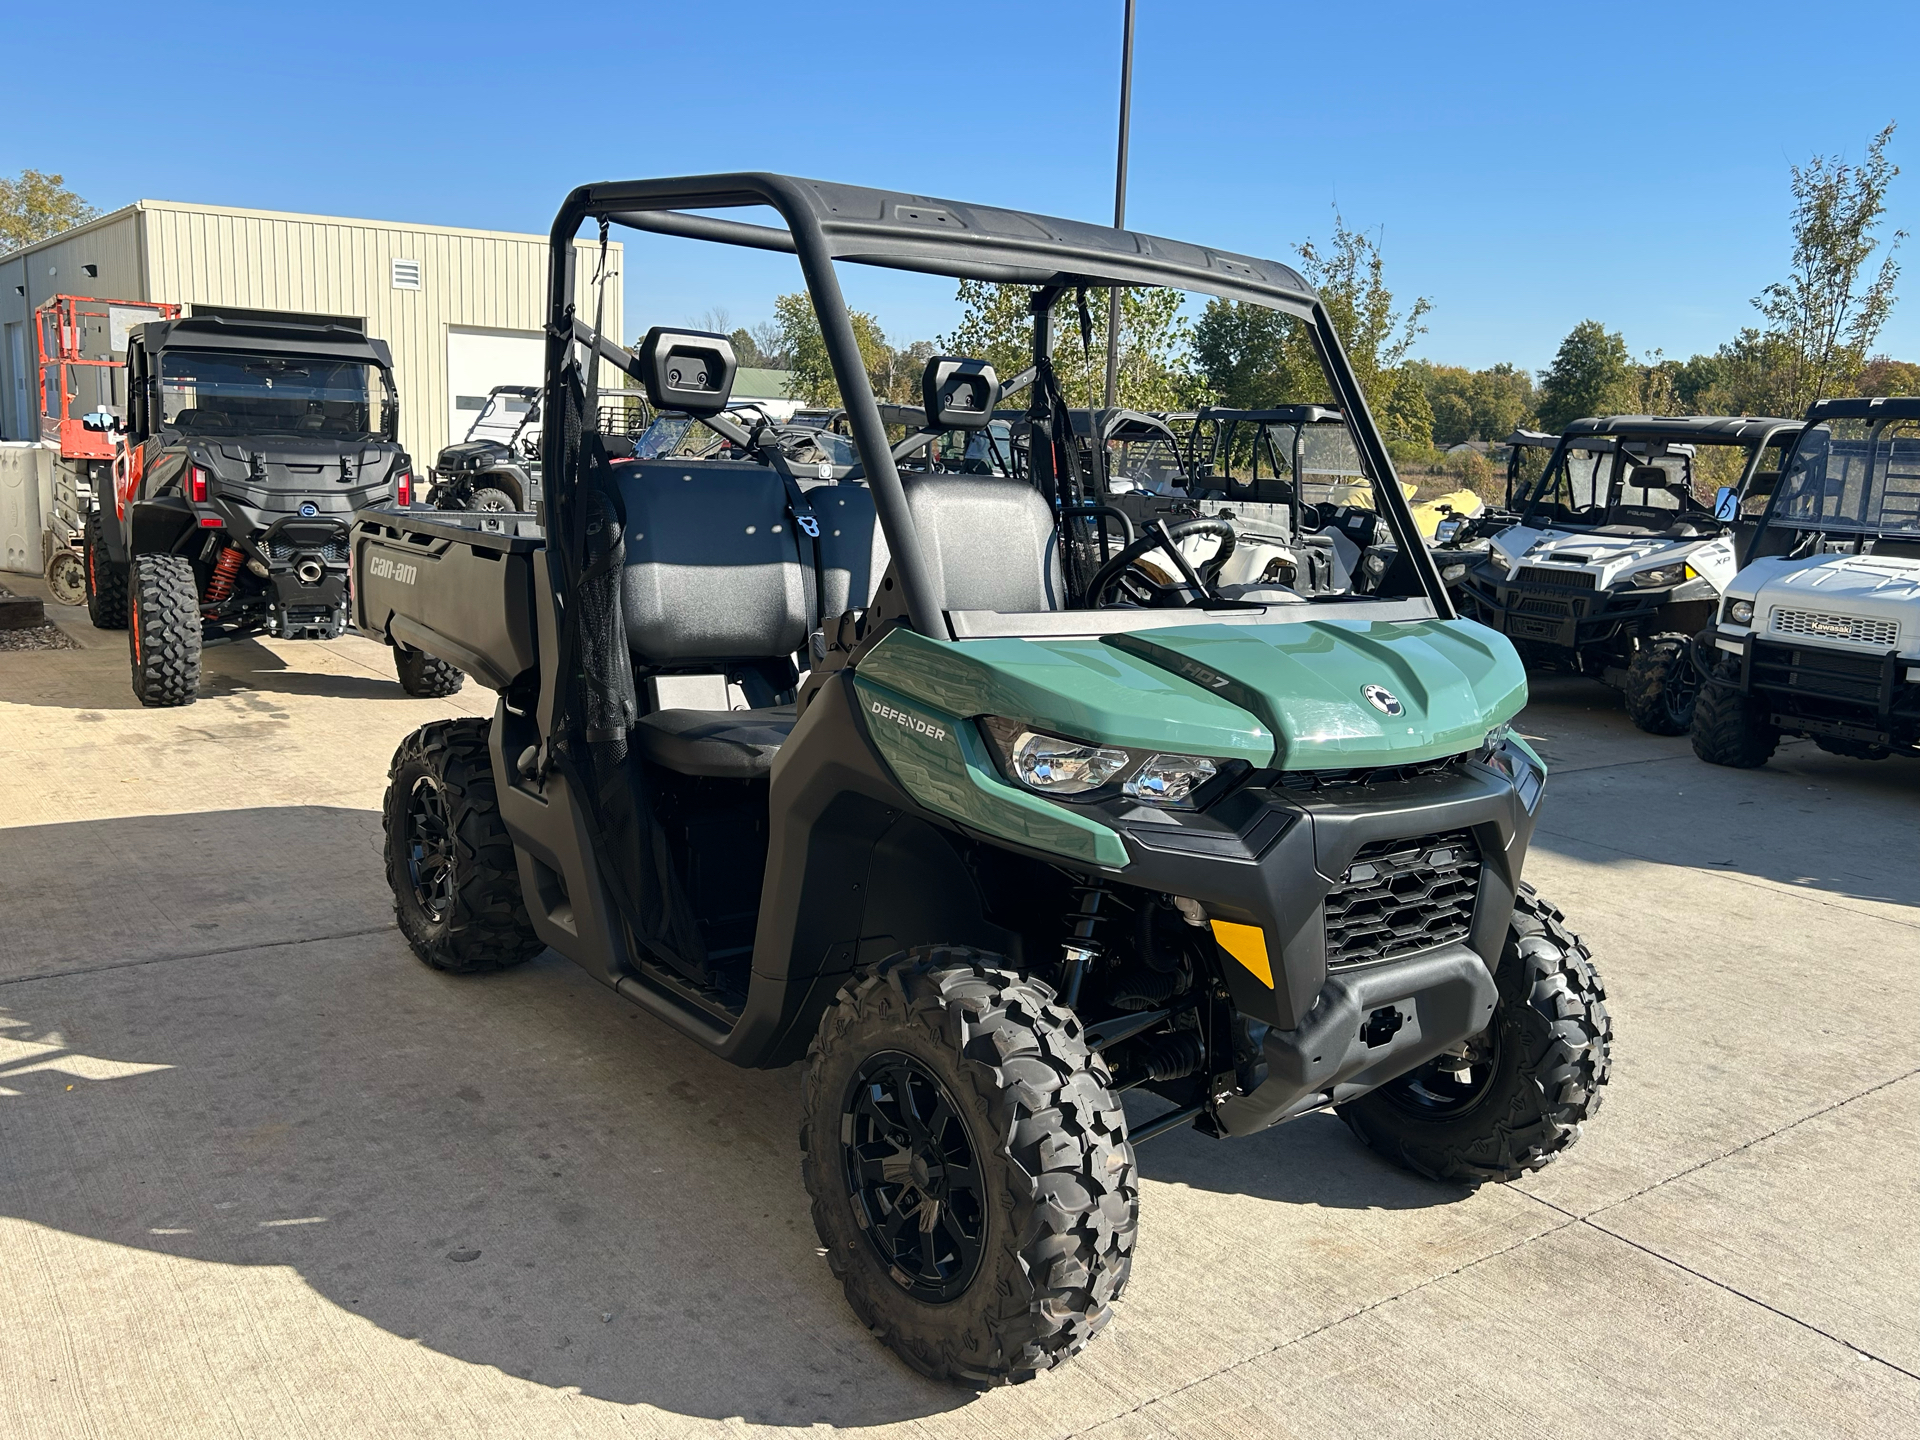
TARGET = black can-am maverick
(245,449)
(1616,562)
(1001,854)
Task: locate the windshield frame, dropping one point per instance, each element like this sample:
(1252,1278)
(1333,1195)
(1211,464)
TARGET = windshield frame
(1818,424)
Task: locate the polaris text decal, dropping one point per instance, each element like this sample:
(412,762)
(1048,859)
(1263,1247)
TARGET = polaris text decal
(908,721)
(383,567)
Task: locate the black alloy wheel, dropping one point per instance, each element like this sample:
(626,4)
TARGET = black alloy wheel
(914,1175)
(429,849)
(1448,1087)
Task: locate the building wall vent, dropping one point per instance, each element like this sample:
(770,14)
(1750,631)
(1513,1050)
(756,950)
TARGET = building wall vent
(406,274)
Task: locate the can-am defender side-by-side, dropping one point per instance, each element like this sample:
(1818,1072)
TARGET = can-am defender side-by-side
(1615,562)
(497,466)
(1003,853)
(1819,633)
(245,449)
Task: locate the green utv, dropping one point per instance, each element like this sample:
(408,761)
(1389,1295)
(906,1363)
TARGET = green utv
(986,855)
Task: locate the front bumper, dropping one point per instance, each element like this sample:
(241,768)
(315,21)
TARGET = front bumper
(1568,617)
(1366,1028)
(1344,881)
(1823,691)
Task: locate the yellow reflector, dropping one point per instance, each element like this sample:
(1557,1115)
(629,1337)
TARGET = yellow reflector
(1689,573)
(1248,945)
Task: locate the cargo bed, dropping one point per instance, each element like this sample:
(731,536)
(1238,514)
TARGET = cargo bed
(457,584)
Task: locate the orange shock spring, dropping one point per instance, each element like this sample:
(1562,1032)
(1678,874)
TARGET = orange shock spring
(225,570)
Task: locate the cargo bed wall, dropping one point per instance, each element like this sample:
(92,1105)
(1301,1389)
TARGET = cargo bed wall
(457,585)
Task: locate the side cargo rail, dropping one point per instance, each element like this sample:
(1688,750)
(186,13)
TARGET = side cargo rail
(456,584)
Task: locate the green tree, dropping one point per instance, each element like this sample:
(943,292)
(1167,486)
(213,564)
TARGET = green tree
(1475,404)
(1402,408)
(1590,375)
(1694,380)
(996,325)
(35,205)
(1827,311)
(1884,376)
(1252,356)
(806,349)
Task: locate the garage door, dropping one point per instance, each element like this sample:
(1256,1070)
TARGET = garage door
(478,360)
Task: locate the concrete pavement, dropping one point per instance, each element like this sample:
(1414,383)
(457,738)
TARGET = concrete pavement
(261,1172)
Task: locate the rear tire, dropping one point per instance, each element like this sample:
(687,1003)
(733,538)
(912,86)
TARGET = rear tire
(456,886)
(423,676)
(1033,1193)
(491,498)
(106,580)
(1536,1071)
(66,577)
(1732,729)
(1662,685)
(163,630)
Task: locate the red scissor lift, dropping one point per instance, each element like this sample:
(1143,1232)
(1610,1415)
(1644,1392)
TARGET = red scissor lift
(81,344)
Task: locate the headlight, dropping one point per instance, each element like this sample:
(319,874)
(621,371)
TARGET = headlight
(1054,765)
(1664,575)
(1170,779)
(1061,765)
(1452,573)
(1447,529)
(1740,612)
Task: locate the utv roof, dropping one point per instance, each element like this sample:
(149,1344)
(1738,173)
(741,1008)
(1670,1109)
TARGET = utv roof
(940,237)
(1278,415)
(1691,429)
(1878,407)
(282,337)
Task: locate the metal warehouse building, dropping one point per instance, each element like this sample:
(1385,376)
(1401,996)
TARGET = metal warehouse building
(462,309)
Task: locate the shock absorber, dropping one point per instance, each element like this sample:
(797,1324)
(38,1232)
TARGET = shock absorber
(225,571)
(1083,944)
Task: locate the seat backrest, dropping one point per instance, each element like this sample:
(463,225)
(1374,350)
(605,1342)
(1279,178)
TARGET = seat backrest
(990,540)
(712,570)
(853,551)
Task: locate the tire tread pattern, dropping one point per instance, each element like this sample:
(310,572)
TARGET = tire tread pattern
(163,630)
(424,676)
(1730,728)
(1658,662)
(488,928)
(1062,1140)
(106,581)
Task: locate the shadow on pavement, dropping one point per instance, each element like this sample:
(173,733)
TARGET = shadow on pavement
(98,679)
(518,1170)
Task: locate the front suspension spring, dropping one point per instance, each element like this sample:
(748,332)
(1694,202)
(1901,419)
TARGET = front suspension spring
(1083,944)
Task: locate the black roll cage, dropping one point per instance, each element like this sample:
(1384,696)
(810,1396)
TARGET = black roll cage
(1616,434)
(828,222)
(1880,408)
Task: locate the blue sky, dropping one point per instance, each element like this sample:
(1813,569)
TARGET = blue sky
(1526,166)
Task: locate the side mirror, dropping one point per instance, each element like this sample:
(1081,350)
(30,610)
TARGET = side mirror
(958,394)
(99,420)
(1726,503)
(687,370)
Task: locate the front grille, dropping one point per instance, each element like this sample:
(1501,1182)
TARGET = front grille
(1534,575)
(1400,897)
(1829,673)
(1540,605)
(1818,625)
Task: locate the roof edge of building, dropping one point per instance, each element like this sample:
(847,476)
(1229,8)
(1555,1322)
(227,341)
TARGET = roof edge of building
(65,235)
(190,207)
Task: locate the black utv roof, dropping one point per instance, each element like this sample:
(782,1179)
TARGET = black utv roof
(1878,407)
(943,237)
(1278,415)
(1686,429)
(265,337)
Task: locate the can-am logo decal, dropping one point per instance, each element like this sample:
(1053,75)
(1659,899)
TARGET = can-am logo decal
(309,509)
(383,567)
(906,720)
(1382,699)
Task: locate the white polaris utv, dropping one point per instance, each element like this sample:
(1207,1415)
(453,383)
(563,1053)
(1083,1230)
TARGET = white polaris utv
(1616,562)
(1819,633)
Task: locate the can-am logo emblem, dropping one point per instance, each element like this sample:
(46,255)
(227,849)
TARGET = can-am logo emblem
(1382,699)
(309,509)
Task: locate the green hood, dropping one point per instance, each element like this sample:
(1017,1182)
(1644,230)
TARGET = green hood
(1309,682)
(1290,696)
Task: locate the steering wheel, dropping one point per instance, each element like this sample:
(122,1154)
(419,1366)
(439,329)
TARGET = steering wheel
(1119,574)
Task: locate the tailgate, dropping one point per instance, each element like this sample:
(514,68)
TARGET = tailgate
(456,584)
